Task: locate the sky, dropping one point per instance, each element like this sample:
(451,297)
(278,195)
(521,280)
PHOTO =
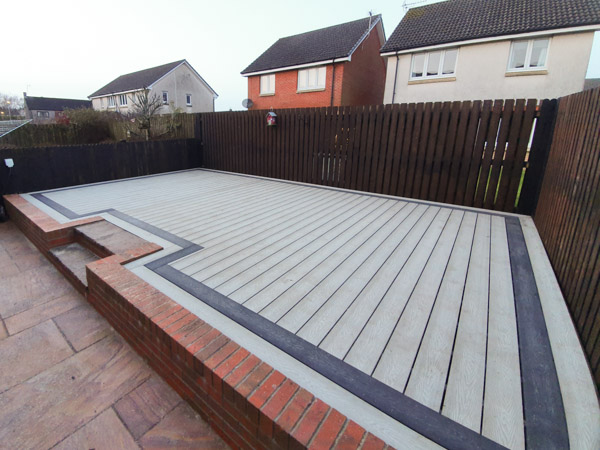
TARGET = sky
(71,48)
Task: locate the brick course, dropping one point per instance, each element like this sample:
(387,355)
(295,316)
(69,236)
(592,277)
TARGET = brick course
(250,404)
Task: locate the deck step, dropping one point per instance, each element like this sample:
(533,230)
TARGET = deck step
(105,239)
(72,259)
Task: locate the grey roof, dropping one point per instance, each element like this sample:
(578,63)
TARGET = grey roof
(55,104)
(461,20)
(337,41)
(136,80)
(591,83)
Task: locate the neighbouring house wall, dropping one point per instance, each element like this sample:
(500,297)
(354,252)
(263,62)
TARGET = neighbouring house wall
(101,104)
(286,90)
(184,81)
(481,73)
(364,74)
(178,83)
(42,120)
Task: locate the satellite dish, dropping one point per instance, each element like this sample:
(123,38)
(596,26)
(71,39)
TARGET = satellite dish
(247,103)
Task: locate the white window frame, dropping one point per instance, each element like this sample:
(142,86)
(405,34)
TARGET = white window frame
(440,75)
(270,82)
(165,97)
(123,100)
(188,99)
(316,87)
(43,114)
(527,67)
(111,102)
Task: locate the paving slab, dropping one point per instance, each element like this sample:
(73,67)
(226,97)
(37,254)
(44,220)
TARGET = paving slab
(94,435)
(82,326)
(147,405)
(43,312)
(53,396)
(188,435)
(30,288)
(60,400)
(30,352)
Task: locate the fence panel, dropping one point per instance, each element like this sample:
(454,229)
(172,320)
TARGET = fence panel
(568,213)
(454,152)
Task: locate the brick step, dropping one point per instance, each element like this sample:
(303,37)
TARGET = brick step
(71,260)
(105,239)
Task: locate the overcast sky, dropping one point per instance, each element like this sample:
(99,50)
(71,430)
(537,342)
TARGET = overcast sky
(70,48)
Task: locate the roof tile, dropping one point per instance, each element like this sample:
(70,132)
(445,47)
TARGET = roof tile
(136,80)
(461,20)
(337,41)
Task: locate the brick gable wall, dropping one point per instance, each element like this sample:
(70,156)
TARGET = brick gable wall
(364,75)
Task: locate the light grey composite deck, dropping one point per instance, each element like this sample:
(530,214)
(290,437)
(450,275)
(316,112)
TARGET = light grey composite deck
(417,295)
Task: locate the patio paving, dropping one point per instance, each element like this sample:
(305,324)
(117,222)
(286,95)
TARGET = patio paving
(67,379)
(436,321)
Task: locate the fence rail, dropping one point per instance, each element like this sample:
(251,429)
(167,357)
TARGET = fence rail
(568,214)
(466,153)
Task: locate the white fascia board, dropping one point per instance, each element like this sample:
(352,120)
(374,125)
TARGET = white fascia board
(497,38)
(299,66)
(364,36)
(116,93)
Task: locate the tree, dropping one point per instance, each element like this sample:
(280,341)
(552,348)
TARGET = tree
(10,105)
(145,106)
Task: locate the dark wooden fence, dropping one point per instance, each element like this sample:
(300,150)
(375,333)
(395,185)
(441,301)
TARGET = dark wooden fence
(466,153)
(42,168)
(568,214)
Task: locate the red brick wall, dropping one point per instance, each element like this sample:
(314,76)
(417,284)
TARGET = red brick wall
(286,95)
(364,75)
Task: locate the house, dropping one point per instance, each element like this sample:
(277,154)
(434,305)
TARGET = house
(177,84)
(44,110)
(333,66)
(487,49)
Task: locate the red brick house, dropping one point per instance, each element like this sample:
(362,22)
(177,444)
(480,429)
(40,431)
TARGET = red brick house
(333,66)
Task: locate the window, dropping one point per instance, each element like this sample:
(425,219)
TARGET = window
(165,98)
(267,84)
(111,102)
(123,99)
(188,99)
(45,114)
(311,79)
(528,55)
(438,64)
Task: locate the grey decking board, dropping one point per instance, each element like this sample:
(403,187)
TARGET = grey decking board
(272,217)
(341,337)
(314,277)
(221,212)
(287,245)
(306,223)
(488,215)
(397,359)
(371,341)
(467,367)
(427,379)
(312,252)
(503,403)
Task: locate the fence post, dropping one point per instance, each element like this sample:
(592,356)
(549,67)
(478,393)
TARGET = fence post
(538,157)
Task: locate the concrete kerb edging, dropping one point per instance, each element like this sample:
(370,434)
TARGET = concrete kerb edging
(250,404)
